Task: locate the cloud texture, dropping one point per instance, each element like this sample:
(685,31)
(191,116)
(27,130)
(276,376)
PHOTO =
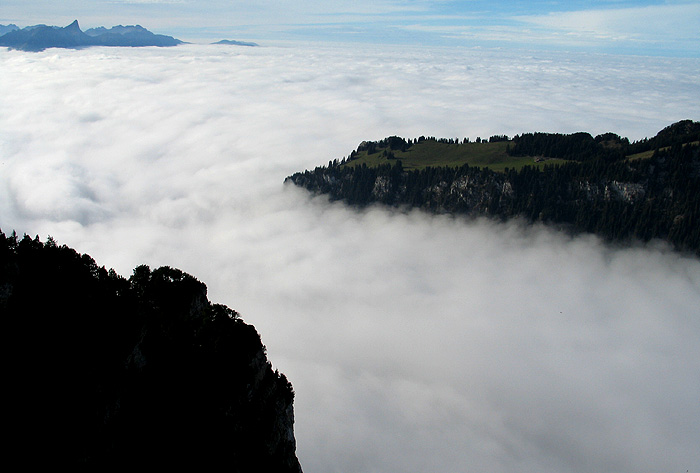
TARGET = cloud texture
(414,342)
(641,26)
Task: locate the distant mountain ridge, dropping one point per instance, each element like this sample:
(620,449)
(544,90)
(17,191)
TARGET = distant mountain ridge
(40,37)
(234,42)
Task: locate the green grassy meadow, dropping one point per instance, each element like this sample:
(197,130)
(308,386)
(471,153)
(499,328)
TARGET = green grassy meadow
(431,153)
(648,154)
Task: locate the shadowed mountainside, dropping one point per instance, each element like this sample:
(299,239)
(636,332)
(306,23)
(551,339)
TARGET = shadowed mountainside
(108,372)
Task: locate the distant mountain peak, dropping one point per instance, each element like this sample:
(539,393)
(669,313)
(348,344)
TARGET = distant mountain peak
(4,29)
(40,37)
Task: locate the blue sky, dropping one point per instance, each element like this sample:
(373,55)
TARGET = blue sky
(645,27)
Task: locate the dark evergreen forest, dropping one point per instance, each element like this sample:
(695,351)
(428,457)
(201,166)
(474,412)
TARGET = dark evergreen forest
(601,189)
(105,372)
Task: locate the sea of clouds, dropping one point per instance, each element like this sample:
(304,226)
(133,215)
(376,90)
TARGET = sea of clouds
(414,342)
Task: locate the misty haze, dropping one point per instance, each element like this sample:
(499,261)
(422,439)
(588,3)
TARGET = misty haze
(414,342)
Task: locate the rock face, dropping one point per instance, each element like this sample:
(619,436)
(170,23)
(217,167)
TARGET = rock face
(112,373)
(40,37)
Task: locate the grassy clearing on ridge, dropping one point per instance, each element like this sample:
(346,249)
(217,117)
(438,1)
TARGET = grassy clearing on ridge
(431,153)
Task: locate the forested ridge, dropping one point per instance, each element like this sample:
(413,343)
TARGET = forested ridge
(109,373)
(606,185)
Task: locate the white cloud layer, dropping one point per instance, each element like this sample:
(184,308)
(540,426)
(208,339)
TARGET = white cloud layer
(414,342)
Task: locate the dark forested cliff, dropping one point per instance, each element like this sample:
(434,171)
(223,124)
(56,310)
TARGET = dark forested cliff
(114,373)
(604,185)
